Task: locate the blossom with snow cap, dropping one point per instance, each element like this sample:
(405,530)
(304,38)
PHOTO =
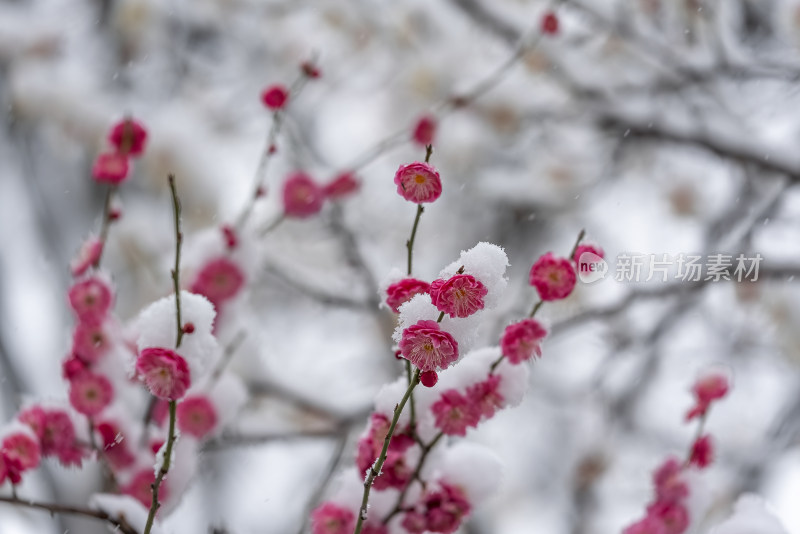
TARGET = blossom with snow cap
(487,264)
(461,295)
(418,182)
(164,372)
(157,327)
(400,292)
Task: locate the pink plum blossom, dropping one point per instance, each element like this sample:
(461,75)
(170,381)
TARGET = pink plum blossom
(403,290)
(110,168)
(219,280)
(90,341)
(90,299)
(164,372)
(342,186)
(702,452)
(418,182)
(90,393)
(197,416)
(428,347)
(302,197)
(521,341)
(330,518)
(275,96)
(23,448)
(454,413)
(485,396)
(553,277)
(459,296)
(424,130)
(128,137)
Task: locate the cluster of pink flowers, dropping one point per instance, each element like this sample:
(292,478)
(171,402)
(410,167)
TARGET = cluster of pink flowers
(668,513)
(303,197)
(128,138)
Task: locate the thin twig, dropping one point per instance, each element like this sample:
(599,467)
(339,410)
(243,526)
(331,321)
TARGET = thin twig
(53,508)
(375,470)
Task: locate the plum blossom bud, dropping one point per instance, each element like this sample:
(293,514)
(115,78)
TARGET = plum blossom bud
(702,452)
(553,277)
(90,252)
(424,130)
(129,137)
(550,23)
(428,378)
(110,168)
(302,197)
(344,185)
(710,387)
(418,182)
(275,96)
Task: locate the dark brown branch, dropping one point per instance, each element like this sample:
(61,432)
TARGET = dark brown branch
(53,508)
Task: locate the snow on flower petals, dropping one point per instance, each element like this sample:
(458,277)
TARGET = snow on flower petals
(401,292)
(553,277)
(164,372)
(428,347)
(459,296)
(418,182)
(522,340)
(302,197)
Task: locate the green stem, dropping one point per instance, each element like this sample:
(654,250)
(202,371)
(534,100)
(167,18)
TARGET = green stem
(162,472)
(410,242)
(106,223)
(415,476)
(378,465)
(176,209)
